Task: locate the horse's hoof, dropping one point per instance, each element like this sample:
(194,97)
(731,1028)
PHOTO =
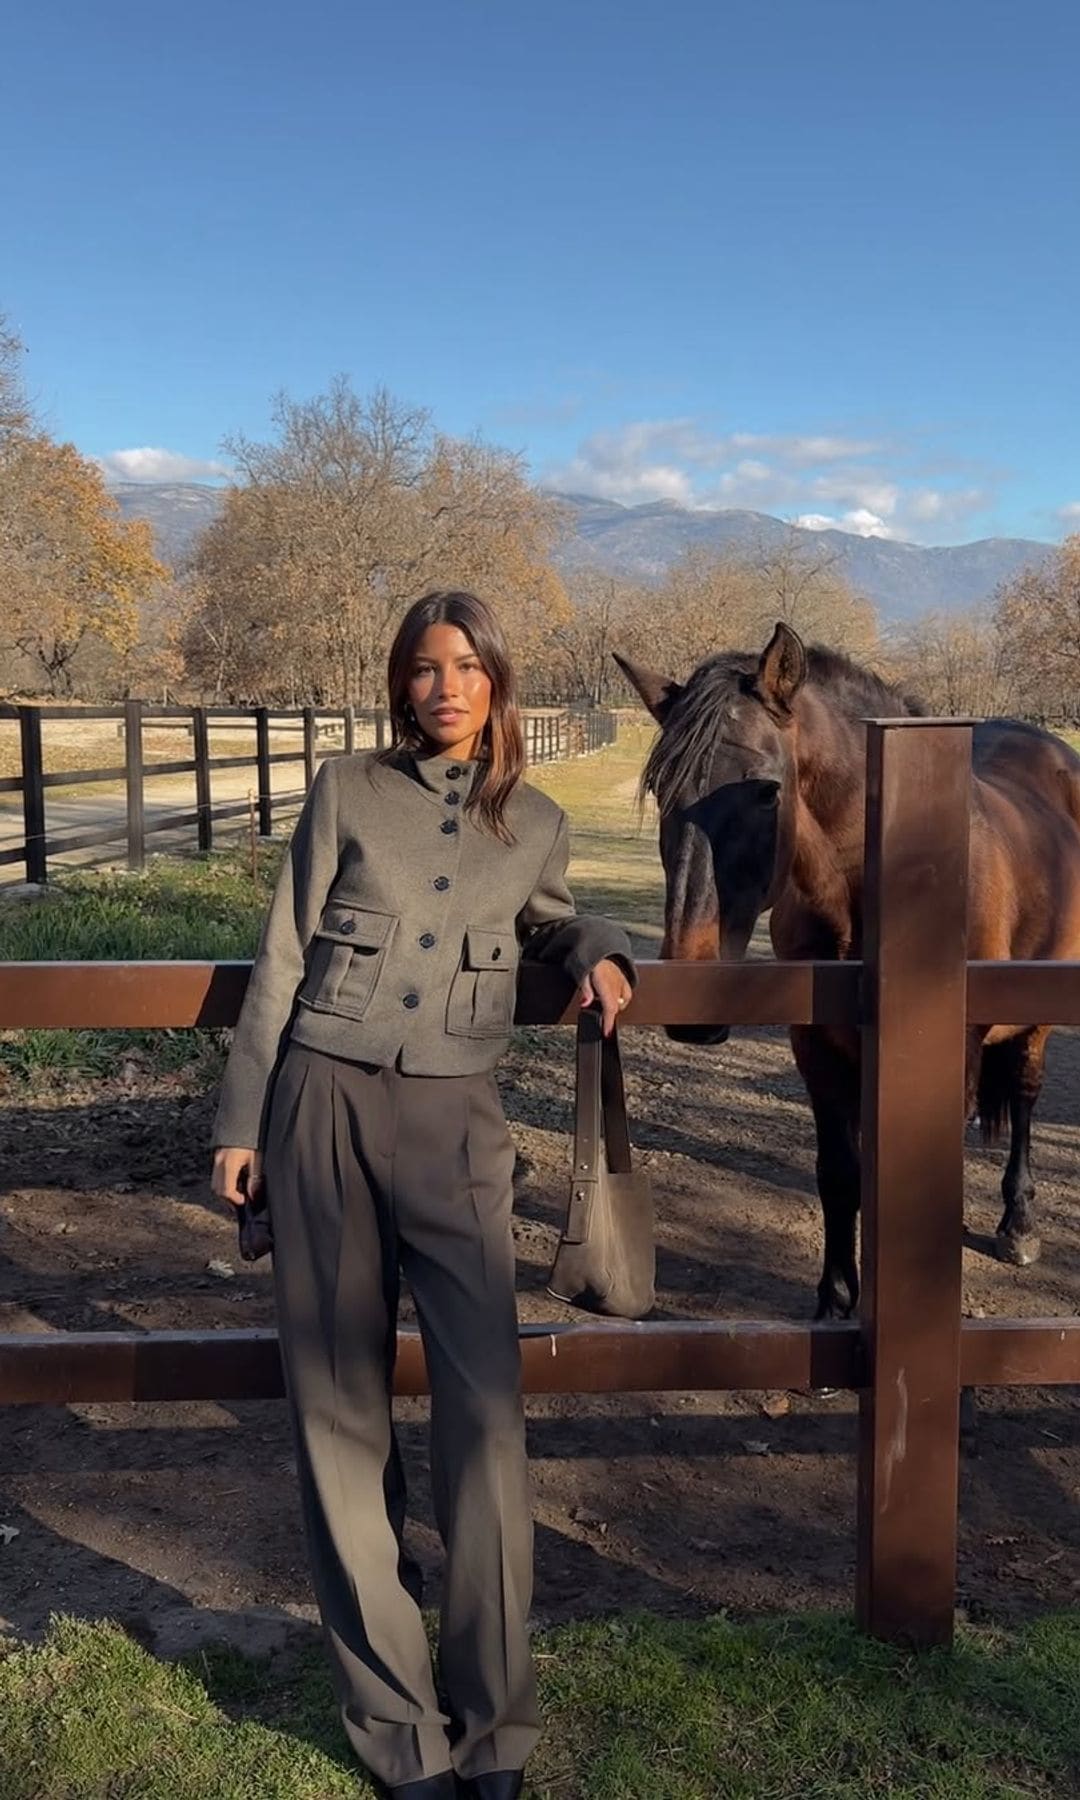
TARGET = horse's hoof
(1020,1251)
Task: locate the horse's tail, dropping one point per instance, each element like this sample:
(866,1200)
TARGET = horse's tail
(997,1085)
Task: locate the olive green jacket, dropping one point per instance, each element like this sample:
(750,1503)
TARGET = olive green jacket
(397,926)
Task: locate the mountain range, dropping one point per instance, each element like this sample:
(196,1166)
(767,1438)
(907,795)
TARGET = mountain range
(641,542)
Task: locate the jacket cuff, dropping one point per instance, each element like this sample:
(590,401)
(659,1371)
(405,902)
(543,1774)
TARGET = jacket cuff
(589,941)
(242,1112)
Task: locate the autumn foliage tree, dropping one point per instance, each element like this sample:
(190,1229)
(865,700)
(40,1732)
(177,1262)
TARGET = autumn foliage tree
(71,569)
(351,510)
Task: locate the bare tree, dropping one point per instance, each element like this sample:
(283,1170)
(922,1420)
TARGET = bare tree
(14,410)
(724,600)
(1038,619)
(580,665)
(955,662)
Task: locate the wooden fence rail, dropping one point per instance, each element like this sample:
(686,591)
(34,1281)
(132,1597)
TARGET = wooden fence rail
(551,735)
(909,1354)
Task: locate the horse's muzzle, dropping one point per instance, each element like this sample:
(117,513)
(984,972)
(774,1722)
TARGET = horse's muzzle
(698,1034)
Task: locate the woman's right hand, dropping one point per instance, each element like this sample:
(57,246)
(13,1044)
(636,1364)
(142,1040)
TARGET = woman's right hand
(236,1175)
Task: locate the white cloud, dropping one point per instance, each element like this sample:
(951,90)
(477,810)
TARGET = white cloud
(1070,513)
(630,486)
(860,522)
(809,449)
(930,505)
(823,480)
(146,464)
(633,465)
(857,490)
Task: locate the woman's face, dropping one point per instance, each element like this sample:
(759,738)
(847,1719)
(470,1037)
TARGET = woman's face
(450,691)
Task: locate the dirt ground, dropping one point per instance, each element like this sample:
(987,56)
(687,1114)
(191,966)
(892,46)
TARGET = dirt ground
(182,1522)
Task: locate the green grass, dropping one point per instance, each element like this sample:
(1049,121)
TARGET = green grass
(209,909)
(633,1707)
(615,868)
(182,908)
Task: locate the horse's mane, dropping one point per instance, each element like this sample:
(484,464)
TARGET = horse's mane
(856,690)
(682,750)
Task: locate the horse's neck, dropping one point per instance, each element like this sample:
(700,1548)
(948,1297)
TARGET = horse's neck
(828,861)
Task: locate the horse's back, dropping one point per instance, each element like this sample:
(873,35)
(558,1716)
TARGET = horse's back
(1025,846)
(1010,751)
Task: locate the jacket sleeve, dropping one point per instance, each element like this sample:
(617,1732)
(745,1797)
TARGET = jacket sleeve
(307,875)
(551,930)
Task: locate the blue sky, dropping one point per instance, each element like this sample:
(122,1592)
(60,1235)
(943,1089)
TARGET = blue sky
(813,257)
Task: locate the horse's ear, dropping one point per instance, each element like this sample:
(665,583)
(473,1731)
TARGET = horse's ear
(782,669)
(657,691)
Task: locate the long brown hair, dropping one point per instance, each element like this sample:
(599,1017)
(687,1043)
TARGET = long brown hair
(502,746)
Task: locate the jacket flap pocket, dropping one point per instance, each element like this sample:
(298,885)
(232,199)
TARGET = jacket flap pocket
(490,949)
(353,925)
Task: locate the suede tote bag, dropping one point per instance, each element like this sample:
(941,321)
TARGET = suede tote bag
(606,1260)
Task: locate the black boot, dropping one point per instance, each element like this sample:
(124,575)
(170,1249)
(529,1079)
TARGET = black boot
(501,1784)
(429,1787)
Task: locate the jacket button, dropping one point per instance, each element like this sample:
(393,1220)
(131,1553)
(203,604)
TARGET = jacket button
(496,953)
(453,773)
(448,825)
(427,940)
(346,927)
(441,882)
(452,797)
(411,1000)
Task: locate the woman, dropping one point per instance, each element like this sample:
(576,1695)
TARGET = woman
(361,1080)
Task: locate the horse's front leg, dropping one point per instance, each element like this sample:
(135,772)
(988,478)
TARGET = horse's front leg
(838,1187)
(1017,1234)
(832,1082)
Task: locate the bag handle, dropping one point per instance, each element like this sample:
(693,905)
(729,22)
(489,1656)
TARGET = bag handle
(599,1119)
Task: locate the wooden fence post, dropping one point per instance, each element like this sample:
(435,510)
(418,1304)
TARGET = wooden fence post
(262,768)
(200,733)
(33,793)
(133,765)
(380,728)
(309,745)
(913,1052)
(348,717)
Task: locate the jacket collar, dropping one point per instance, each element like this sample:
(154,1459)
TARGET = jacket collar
(434,772)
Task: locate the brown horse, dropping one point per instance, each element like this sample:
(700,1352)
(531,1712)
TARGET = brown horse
(759,775)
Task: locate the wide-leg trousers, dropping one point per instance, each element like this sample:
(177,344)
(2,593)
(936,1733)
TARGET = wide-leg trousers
(370,1173)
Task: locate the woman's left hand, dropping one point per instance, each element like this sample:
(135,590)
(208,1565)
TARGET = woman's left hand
(606,983)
